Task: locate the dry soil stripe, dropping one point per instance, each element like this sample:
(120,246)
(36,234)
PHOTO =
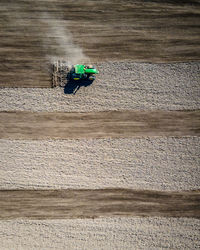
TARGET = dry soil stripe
(89,203)
(112,124)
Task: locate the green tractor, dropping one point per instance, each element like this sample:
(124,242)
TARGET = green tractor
(62,73)
(82,72)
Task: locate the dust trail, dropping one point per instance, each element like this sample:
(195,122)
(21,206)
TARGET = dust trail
(59,40)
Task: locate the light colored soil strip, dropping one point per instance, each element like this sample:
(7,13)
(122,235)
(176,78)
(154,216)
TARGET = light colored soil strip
(60,204)
(110,124)
(103,233)
(136,163)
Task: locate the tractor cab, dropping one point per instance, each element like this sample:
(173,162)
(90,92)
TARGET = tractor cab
(77,72)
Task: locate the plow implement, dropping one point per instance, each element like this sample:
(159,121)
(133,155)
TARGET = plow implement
(60,74)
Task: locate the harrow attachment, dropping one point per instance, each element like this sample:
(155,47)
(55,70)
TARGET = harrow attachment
(60,74)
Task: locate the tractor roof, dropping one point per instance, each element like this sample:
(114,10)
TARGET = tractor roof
(82,69)
(79,69)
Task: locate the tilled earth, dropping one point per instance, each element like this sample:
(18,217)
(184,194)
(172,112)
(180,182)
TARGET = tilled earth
(102,233)
(164,163)
(127,41)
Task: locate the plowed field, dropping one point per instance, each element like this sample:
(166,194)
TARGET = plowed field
(125,148)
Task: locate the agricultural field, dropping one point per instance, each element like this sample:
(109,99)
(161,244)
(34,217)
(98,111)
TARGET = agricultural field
(115,165)
(35,33)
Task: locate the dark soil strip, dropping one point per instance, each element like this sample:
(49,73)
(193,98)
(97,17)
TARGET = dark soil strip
(61,204)
(110,124)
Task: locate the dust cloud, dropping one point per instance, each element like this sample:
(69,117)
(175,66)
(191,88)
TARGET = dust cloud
(60,40)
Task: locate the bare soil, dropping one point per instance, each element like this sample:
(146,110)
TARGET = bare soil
(33,33)
(108,124)
(101,233)
(115,35)
(161,163)
(60,204)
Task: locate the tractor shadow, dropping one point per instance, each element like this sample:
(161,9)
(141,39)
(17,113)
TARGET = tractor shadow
(72,86)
